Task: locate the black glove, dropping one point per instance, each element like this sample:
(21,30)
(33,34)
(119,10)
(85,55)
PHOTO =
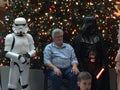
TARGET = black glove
(26,56)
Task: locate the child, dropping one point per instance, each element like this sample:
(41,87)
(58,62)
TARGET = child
(84,80)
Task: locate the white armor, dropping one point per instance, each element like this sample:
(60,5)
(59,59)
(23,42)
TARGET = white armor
(18,46)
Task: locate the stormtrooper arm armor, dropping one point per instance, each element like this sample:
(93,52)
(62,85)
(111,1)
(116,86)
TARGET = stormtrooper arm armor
(31,45)
(31,53)
(8,46)
(12,55)
(8,50)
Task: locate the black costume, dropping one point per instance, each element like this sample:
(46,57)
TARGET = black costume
(88,46)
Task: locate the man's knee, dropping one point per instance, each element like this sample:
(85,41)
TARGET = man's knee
(72,77)
(53,75)
(56,77)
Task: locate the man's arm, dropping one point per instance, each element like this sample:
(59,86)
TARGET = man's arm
(47,58)
(51,66)
(74,62)
(47,61)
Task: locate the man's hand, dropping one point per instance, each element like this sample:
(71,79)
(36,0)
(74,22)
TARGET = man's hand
(75,70)
(57,71)
(54,68)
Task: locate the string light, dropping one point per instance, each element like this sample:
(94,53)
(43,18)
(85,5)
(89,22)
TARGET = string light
(44,16)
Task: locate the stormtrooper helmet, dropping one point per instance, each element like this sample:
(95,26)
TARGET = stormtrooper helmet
(20,26)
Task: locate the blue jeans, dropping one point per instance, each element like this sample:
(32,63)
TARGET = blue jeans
(57,80)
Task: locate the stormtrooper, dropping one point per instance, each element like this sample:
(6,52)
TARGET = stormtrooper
(19,47)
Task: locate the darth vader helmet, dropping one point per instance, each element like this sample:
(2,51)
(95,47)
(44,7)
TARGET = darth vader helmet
(90,24)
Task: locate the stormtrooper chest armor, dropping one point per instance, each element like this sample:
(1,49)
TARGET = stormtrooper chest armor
(21,45)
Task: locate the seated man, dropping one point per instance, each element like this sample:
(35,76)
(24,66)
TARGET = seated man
(84,81)
(61,60)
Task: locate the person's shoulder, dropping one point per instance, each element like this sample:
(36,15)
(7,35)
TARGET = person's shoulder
(29,35)
(48,46)
(67,45)
(99,36)
(9,36)
(77,37)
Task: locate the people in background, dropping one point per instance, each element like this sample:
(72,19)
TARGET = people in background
(61,61)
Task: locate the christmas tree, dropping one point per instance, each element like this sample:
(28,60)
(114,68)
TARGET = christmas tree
(45,15)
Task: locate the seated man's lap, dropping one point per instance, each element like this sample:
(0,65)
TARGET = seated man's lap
(66,74)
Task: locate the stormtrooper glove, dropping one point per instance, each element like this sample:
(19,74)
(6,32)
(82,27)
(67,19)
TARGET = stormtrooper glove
(22,59)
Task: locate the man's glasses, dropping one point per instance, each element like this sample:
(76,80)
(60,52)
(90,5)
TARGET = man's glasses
(61,36)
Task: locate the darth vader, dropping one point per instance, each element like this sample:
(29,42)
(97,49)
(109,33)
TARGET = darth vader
(90,51)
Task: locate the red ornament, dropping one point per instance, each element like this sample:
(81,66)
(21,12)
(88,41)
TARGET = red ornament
(51,8)
(66,31)
(111,27)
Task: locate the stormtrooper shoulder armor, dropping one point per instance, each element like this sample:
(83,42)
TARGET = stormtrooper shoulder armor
(8,42)
(30,38)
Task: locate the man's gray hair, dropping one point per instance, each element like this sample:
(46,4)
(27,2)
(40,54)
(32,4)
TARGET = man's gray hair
(56,31)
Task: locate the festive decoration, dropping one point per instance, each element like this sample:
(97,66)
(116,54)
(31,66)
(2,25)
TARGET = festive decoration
(2,13)
(45,15)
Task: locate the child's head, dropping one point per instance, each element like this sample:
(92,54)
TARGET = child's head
(84,80)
